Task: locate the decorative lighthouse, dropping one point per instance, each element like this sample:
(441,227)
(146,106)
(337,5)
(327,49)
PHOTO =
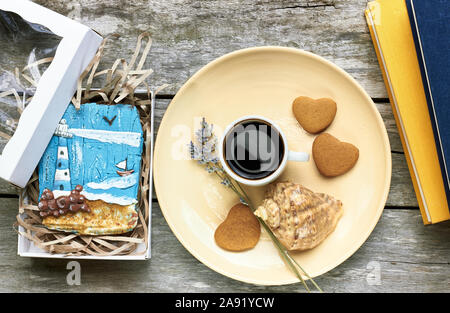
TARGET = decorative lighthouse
(62,185)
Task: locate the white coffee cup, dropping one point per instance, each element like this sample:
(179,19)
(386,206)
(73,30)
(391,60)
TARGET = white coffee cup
(287,155)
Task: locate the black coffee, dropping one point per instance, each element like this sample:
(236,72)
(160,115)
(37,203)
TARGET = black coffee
(253,149)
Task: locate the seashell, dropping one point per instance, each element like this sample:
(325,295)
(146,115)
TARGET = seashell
(300,218)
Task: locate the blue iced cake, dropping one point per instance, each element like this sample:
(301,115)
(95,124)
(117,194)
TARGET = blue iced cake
(89,174)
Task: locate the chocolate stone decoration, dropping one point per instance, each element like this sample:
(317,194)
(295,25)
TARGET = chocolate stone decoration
(48,205)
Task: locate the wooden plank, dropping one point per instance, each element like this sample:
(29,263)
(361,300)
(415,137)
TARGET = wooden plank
(188,34)
(389,122)
(5,187)
(8,189)
(401,193)
(410,258)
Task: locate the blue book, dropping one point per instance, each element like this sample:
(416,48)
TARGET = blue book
(430,25)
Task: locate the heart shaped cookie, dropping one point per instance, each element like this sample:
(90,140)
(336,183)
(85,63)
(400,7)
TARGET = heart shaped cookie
(314,115)
(333,157)
(240,231)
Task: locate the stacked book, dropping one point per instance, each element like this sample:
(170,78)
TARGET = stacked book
(412,42)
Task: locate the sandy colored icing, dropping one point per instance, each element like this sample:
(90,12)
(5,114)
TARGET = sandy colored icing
(105,218)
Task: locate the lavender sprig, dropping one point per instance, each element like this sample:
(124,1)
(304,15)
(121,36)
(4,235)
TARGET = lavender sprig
(204,152)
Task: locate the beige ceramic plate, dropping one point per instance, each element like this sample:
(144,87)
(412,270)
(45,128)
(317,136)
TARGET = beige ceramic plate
(265,81)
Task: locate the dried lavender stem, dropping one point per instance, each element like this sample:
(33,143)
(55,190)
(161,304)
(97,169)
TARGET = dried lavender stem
(283,253)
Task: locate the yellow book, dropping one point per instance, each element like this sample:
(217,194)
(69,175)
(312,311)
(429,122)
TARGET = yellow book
(391,34)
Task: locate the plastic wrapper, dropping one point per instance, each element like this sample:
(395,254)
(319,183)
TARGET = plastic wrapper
(26,50)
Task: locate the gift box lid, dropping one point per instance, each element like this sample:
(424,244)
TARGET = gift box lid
(53,93)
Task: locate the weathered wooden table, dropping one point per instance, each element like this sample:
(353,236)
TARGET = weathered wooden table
(400,255)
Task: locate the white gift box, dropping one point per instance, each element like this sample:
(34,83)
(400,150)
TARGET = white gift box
(40,118)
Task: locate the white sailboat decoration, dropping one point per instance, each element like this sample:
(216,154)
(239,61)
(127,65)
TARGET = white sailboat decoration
(123,166)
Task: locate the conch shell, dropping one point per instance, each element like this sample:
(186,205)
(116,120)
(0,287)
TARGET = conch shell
(300,218)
